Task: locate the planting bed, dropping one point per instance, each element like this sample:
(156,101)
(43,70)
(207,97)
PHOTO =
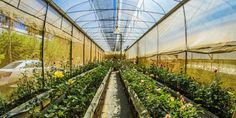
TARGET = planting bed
(151,92)
(155,99)
(25,95)
(212,97)
(78,96)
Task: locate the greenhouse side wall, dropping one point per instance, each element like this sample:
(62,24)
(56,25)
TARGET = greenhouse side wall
(201,43)
(35,35)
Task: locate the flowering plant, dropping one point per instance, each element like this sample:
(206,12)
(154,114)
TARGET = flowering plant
(58,74)
(156,99)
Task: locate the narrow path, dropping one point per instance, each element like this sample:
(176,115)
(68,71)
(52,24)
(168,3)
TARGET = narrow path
(115,102)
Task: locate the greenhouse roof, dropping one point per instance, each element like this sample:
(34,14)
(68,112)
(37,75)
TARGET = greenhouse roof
(101,18)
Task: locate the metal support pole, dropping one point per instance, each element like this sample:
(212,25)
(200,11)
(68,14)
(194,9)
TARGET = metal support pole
(95,53)
(84,51)
(186,42)
(137,55)
(91,51)
(18,3)
(120,46)
(157,46)
(42,46)
(71,46)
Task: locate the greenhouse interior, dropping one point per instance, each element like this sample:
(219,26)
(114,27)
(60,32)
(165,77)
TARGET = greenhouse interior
(118,58)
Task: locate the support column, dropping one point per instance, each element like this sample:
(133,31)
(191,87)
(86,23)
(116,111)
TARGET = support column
(186,42)
(91,51)
(42,46)
(18,4)
(84,51)
(157,47)
(95,52)
(71,46)
(120,46)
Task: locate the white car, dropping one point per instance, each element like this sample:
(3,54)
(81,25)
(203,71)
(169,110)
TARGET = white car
(13,71)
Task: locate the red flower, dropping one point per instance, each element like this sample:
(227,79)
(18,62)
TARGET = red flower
(215,70)
(161,65)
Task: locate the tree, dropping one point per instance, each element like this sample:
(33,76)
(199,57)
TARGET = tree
(15,46)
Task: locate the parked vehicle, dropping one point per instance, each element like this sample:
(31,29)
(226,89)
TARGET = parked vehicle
(13,71)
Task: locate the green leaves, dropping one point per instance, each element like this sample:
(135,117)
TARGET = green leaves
(157,100)
(79,95)
(212,97)
(29,87)
(2,105)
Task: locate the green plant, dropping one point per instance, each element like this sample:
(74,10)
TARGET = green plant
(2,105)
(79,94)
(212,97)
(156,99)
(30,86)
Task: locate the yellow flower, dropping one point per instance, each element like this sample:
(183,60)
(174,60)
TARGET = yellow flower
(152,75)
(186,106)
(172,98)
(70,82)
(58,74)
(182,107)
(158,90)
(142,81)
(189,105)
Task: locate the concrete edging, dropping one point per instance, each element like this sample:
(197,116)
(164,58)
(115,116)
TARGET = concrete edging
(140,109)
(24,107)
(94,103)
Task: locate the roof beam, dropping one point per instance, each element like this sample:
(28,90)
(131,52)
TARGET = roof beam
(115,20)
(113,27)
(101,10)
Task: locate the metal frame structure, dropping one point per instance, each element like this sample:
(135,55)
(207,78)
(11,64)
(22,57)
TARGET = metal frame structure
(131,21)
(181,4)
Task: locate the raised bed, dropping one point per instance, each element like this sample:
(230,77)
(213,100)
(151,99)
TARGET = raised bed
(157,101)
(29,96)
(174,85)
(37,103)
(93,107)
(204,114)
(139,110)
(83,88)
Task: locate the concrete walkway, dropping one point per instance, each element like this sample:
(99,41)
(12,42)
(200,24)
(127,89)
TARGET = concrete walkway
(115,103)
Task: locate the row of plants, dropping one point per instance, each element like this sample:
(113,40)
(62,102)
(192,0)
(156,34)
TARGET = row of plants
(57,76)
(78,95)
(30,87)
(213,97)
(157,100)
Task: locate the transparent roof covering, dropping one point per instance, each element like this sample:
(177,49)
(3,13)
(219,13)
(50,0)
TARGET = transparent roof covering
(129,18)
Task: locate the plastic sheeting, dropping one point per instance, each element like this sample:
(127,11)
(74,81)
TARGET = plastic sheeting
(210,22)
(210,28)
(211,41)
(99,18)
(21,30)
